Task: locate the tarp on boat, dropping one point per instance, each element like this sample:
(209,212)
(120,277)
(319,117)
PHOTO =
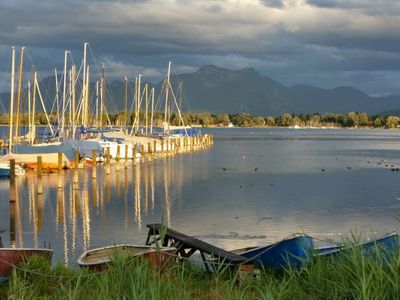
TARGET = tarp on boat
(50,160)
(85,147)
(45,148)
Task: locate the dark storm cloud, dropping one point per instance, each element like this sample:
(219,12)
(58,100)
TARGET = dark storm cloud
(292,40)
(272,3)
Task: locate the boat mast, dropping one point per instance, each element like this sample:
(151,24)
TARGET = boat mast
(10,138)
(21,62)
(138,99)
(152,111)
(29,108)
(126,101)
(64,92)
(166,110)
(102,94)
(34,107)
(97,105)
(147,104)
(73,81)
(86,122)
(84,82)
(70,98)
(57,95)
(135,104)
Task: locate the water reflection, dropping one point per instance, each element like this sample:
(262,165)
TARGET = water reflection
(211,194)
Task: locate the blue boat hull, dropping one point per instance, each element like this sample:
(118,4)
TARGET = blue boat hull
(294,252)
(386,244)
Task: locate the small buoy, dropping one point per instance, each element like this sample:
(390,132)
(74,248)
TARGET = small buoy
(240,186)
(348,168)
(223,169)
(392,169)
(323,170)
(256,169)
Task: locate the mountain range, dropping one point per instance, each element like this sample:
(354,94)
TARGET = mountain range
(218,90)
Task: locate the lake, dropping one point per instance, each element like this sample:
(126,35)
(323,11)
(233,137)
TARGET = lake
(253,187)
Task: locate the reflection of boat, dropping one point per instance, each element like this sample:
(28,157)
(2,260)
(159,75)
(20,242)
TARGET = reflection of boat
(387,243)
(294,251)
(5,170)
(10,257)
(98,259)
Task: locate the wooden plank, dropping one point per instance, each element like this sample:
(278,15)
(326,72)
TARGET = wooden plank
(193,243)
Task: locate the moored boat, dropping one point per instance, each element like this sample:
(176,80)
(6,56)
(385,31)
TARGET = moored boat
(5,170)
(98,259)
(10,257)
(385,244)
(295,251)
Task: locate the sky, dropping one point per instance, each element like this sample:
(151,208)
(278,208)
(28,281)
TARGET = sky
(325,43)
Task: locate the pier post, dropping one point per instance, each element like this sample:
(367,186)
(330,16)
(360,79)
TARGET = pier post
(60,177)
(142,152)
(39,170)
(60,162)
(149,151)
(76,167)
(155,149)
(166,148)
(135,151)
(94,164)
(76,160)
(126,156)
(118,153)
(108,168)
(12,170)
(162,148)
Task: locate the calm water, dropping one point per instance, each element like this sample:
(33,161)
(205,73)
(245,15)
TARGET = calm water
(255,186)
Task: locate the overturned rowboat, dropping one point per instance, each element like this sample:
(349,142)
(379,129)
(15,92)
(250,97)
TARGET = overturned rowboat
(98,259)
(386,244)
(294,251)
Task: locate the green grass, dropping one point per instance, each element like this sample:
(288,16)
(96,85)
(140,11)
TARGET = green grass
(348,276)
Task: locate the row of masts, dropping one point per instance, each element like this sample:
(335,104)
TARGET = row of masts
(72,113)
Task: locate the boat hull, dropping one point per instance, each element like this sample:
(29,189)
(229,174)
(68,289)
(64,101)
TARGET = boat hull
(5,171)
(385,244)
(293,252)
(10,257)
(99,259)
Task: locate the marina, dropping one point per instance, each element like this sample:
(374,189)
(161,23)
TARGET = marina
(254,172)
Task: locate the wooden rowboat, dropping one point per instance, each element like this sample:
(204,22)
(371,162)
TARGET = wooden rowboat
(98,259)
(10,257)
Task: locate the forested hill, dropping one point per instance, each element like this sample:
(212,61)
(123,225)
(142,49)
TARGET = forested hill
(217,90)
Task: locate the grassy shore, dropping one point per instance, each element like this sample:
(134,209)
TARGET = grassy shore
(348,276)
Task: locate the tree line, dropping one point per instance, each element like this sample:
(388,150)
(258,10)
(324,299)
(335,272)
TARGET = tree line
(351,119)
